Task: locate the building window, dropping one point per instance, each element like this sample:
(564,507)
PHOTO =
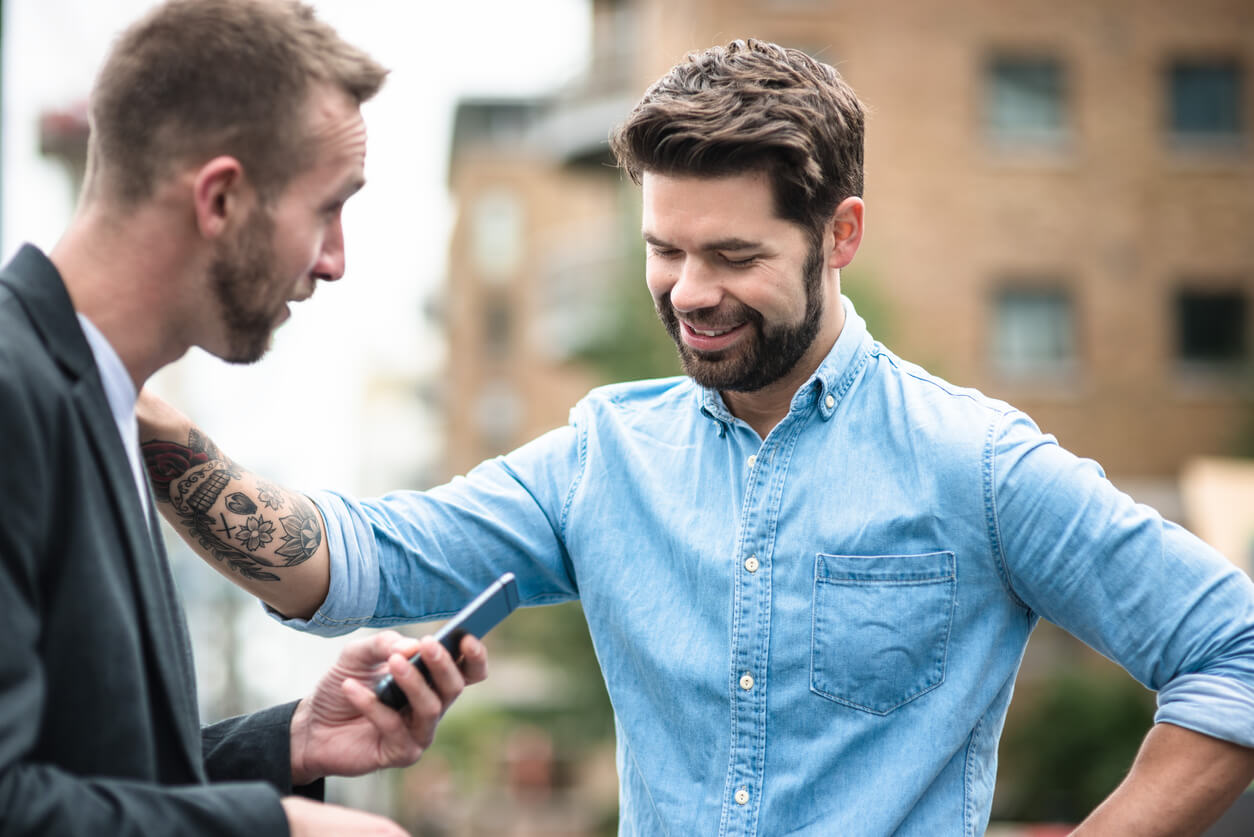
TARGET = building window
(496,235)
(1026,101)
(1206,99)
(498,326)
(498,414)
(1212,327)
(1033,333)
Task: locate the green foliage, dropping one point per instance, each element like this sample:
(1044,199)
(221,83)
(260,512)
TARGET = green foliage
(1071,745)
(857,281)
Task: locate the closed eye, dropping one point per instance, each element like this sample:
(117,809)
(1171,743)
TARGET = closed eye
(745,262)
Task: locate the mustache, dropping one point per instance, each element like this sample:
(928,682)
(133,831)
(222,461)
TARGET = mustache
(713,318)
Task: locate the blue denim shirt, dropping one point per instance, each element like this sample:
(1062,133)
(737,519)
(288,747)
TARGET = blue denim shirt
(817,633)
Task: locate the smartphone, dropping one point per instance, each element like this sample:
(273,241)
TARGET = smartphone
(476,619)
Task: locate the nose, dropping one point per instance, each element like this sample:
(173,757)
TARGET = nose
(330,263)
(695,286)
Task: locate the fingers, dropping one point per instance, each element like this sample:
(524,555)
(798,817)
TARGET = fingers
(474,660)
(448,678)
(445,676)
(387,721)
(372,650)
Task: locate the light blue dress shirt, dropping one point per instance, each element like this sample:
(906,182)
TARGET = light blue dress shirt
(817,633)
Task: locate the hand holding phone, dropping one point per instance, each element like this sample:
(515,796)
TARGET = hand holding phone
(476,619)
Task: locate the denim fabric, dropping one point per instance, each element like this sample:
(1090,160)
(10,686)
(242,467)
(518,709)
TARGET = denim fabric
(817,633)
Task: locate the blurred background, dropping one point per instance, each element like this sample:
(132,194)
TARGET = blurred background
(1060,212)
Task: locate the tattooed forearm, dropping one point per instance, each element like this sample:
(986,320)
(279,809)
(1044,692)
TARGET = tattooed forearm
(220,508)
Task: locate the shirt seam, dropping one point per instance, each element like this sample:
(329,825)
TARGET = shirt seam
(968,802)
(990,506)
(563,519)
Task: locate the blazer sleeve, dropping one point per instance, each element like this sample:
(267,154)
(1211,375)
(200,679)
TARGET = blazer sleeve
(256,747)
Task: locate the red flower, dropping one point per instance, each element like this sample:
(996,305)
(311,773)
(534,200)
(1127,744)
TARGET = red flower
(166,461)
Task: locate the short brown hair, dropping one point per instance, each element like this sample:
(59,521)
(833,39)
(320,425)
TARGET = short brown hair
(752,105)
(194,79)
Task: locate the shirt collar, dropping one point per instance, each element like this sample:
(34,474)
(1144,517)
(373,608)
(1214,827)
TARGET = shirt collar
(118,386)
(829,383)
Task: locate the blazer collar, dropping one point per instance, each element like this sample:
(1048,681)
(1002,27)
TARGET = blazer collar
(37,285)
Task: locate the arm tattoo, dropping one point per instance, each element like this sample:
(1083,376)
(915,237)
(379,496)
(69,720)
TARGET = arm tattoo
(270,495)
(193,477)
(240,503)
(255,533)
(302,533)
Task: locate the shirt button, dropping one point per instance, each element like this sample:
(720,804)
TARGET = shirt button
(742,796)
(752,459)
(746,682)
(830,401)
(751,563)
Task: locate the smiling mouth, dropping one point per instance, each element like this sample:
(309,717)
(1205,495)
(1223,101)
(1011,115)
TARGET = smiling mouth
(710,338)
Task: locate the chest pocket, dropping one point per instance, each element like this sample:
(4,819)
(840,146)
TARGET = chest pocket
(880,627)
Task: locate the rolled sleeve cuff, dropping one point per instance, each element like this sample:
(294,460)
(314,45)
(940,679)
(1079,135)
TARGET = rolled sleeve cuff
(354,587)
(1216,706)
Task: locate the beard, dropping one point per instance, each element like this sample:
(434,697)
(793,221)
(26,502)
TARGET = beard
(767,355)
(242,270)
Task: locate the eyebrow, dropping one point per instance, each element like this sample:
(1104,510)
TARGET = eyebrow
(351,188)
(732,244)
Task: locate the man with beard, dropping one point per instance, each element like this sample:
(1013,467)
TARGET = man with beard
(225,137)
(809,568)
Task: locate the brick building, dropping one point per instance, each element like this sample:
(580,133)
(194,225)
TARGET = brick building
(1060,204)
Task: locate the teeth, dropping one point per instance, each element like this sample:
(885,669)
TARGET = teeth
(708,332)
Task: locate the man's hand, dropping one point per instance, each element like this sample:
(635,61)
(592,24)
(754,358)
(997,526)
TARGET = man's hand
(343,730)
(306,818)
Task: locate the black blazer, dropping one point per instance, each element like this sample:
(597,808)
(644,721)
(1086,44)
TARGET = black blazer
(99,730)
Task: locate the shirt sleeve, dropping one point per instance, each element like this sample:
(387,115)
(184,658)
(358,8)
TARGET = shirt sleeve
(1141,590)
(411,556)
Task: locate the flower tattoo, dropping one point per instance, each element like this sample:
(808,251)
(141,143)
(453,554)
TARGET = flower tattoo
(269,494)
(255,533)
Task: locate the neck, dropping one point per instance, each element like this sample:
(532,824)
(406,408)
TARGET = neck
(120,272)
(764,408)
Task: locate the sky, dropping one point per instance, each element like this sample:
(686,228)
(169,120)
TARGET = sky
(296,416)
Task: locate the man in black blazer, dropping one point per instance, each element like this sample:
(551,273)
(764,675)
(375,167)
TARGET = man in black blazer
(226,135)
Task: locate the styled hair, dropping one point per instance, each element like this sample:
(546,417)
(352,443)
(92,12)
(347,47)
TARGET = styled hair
(195,79)
(752,106)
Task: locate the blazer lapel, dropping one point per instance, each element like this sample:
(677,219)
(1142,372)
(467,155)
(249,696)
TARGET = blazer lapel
(164,625)
(36,283)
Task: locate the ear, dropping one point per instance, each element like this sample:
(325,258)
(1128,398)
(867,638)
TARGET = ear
(844,231)
(220,193)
